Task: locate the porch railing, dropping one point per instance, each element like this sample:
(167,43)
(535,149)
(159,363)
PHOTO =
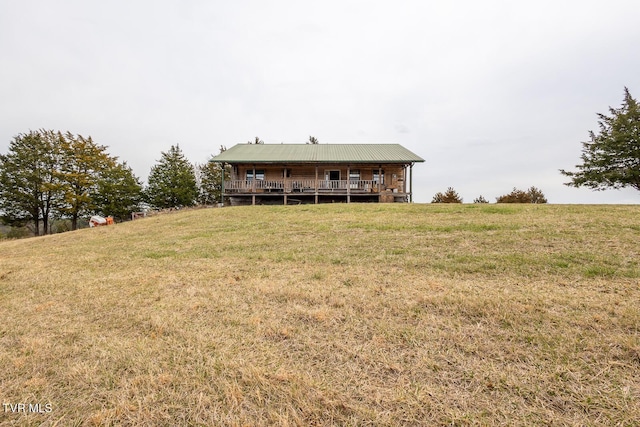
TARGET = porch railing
(301,186)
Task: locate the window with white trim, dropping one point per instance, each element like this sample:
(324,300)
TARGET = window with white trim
(259,175)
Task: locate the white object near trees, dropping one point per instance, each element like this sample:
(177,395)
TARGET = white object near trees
(97,220)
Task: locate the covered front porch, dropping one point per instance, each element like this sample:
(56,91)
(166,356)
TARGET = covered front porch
(303,186)
(319,183)
(293,191)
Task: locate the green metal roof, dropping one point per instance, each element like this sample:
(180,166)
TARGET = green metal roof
(317,153)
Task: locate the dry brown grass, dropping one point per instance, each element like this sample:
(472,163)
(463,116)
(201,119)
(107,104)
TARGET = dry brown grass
(328,315)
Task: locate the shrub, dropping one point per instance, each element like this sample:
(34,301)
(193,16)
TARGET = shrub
(61,226)
(480,199)
(18,233)
(450,196)
(533,195)
(536,195)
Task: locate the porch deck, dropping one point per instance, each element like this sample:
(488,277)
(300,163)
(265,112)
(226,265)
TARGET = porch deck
(305,186)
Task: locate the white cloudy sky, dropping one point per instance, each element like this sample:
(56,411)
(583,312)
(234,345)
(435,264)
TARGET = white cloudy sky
(493,94)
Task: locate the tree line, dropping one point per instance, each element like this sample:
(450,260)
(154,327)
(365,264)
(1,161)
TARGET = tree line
(532,195)
(48,175)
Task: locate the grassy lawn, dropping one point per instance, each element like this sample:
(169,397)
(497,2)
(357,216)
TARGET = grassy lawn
(328,315)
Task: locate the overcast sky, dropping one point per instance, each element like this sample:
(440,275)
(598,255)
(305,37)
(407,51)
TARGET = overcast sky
(492,94)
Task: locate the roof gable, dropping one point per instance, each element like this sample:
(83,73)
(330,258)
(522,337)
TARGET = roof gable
(317,153)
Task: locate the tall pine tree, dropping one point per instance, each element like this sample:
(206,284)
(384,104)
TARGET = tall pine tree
(172,181)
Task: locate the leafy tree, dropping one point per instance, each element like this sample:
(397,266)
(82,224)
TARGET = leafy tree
(20,183)
(533,195)
(449,196)
(118,192)
(48,174)
(480,199)
(83,163)
(611,159)
(172,182)
(313,140)
(29,185)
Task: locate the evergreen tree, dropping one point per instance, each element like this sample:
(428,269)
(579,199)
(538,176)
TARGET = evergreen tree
(449,196)
(313,140)
(209,178)
(611,159)
(172,181)
(536,195)
(118,192)
(480,199)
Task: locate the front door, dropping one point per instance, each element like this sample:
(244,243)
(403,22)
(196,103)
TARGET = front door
(334,175)
(333,178)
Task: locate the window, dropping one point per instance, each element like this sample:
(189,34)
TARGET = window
(377,177)
(259,175)
(286,173)
(354,178)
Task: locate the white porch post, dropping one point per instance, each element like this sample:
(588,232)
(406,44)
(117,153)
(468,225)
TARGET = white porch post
(411,183)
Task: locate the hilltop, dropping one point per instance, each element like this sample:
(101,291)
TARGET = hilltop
(328,314)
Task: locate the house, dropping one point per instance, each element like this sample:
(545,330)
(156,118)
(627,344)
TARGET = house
(318,173)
